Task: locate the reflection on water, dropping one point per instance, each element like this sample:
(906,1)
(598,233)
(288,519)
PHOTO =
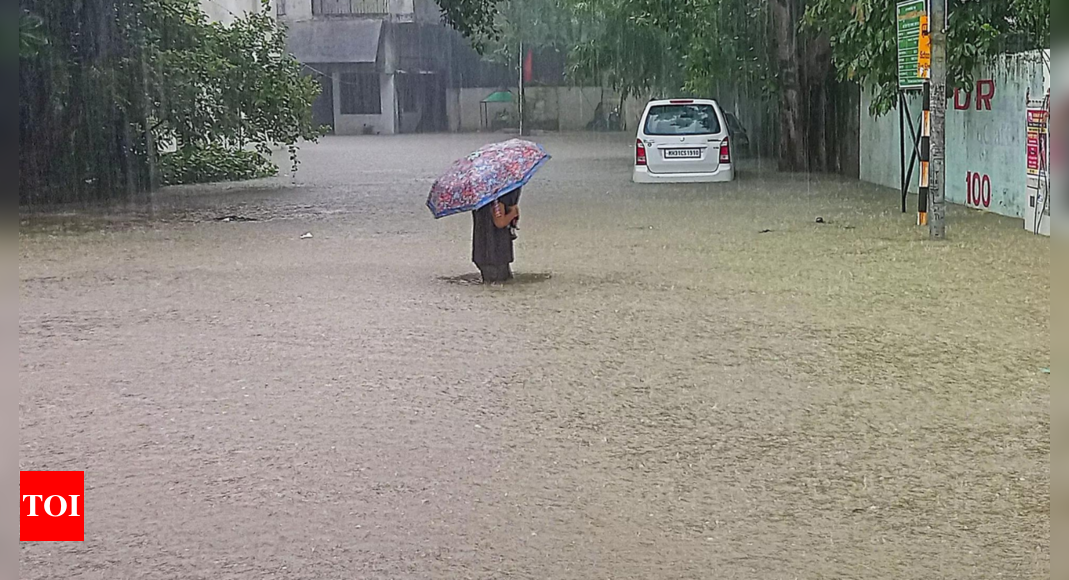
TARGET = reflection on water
(519,278)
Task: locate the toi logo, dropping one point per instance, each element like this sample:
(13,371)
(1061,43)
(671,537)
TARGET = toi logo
(52,506)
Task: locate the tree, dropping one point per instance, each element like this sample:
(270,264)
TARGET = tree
(754,51)
(536,24)
(231,85)
(750,51)
(601,40)
(112,81)
(786,50)
(474,19)
(864,49)
(612,45)
(785,18)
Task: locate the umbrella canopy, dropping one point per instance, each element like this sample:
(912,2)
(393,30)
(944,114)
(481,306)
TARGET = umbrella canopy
(485,175)
(499,97)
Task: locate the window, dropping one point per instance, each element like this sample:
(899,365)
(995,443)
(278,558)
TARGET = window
(682,120)
(360,94)
(280,7)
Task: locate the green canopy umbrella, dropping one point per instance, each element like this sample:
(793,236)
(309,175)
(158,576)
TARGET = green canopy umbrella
(498,97)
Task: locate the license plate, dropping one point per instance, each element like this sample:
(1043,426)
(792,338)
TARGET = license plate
(682,153)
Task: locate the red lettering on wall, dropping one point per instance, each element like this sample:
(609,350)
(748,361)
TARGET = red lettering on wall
(985,91)
(958,105)
(977,190)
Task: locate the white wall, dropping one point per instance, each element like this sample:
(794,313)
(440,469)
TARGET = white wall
(388,86)
(577,105)
(1046,70)
(572,108)
(384,124)
(226,11)
(462,109)
(985,138)
(401,7)
(296,10)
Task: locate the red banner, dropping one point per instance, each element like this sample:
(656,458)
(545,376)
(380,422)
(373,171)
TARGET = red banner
(528,67)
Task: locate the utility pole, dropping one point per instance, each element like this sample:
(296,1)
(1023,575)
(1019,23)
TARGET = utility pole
(523,92)
(937,222)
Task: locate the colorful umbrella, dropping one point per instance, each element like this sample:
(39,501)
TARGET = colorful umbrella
(484,176)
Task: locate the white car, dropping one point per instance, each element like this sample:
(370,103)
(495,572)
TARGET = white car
(683,141)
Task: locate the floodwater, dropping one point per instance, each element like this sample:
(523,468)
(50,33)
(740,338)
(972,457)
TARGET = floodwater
(688,382)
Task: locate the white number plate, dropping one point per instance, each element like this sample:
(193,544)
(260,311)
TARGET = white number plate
(682,153)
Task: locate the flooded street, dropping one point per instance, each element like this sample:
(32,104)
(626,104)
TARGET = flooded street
(686,382)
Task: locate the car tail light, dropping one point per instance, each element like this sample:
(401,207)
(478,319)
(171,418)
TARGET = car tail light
(640,153)
(681,101)
(725,151)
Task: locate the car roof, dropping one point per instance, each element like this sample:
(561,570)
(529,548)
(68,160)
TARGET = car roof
(682,101)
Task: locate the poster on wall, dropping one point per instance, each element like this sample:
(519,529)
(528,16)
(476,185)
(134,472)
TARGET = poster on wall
(1038,131)
(1058,109)
(1037,211)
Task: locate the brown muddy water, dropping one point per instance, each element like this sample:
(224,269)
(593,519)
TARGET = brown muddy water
(688,382)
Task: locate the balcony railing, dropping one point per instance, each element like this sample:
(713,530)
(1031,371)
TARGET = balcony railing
(350,7)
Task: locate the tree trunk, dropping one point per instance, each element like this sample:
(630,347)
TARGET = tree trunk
(785,19)
(821,120)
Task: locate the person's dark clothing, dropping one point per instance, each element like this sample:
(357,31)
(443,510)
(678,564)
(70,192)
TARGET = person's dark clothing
(495,274)
(491,247)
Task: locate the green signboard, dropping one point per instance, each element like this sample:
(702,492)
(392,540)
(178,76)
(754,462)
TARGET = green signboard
(911,14)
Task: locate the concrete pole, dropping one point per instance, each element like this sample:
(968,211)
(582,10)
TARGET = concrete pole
(937,219)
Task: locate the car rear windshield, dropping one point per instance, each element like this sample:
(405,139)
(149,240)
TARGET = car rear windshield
(682,120)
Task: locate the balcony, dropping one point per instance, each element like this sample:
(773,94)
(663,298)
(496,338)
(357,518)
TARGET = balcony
(425,11)
(357,7)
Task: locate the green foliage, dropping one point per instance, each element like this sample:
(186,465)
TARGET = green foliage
(621,46)
(603,40)
(535,23)
(474,19)
(211,163)
(864,42)
(231,85)
(634,45)
(113,82)
(718,41)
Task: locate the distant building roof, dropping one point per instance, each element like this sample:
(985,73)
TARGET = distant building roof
(335,40)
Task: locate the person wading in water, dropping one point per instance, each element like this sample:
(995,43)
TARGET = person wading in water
(492,237)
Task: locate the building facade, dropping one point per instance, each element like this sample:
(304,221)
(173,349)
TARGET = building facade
(383,65)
